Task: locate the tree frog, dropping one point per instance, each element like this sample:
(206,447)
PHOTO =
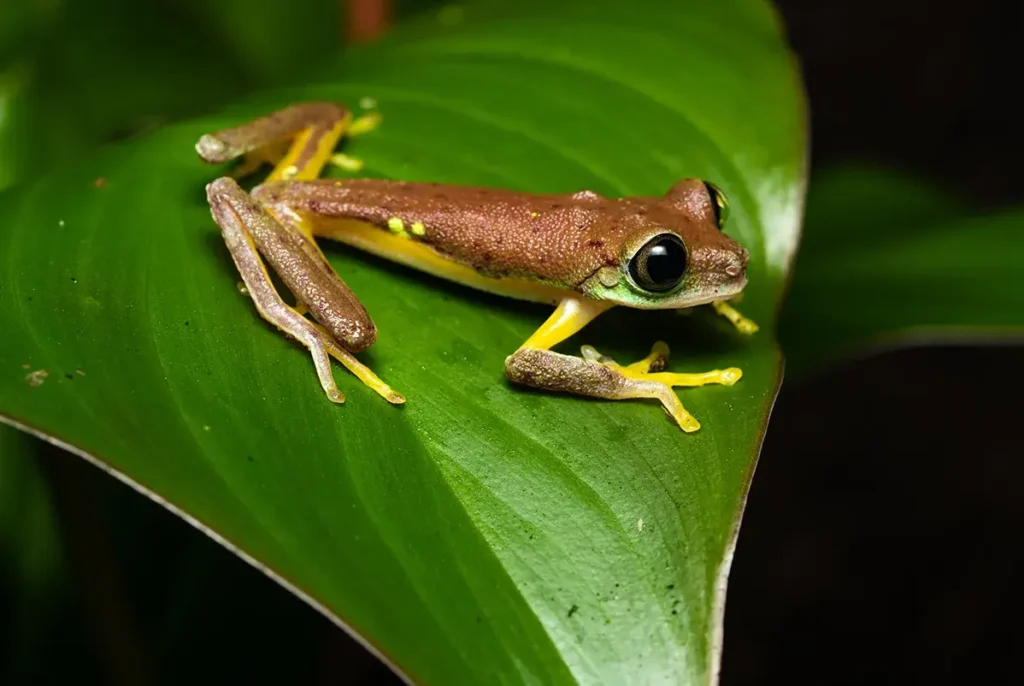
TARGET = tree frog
(581,253)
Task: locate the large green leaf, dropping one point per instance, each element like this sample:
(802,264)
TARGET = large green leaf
(74,74)
(482,533)
(891,260)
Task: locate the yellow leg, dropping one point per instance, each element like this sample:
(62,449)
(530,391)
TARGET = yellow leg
(597,375)
(363,373)
(571,315)
(650,368)
(742,324)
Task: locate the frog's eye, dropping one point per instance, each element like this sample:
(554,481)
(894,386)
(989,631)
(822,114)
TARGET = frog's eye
(660,264)
(719,203)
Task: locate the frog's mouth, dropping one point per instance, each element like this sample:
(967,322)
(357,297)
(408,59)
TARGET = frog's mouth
(726,290)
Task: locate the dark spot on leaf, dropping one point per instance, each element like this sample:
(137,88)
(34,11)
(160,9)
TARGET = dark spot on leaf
(69,377)
(74,280)
(186,322)
(670,586)
(675,612)
(572,610)
(596,243)
(249,457)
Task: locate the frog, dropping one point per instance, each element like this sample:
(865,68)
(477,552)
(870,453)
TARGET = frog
(581,253)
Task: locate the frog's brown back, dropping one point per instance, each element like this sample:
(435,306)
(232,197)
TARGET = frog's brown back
(556,239)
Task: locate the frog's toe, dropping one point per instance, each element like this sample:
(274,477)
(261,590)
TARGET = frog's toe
(655,361)
(643,386)
(346,162)
(651,368)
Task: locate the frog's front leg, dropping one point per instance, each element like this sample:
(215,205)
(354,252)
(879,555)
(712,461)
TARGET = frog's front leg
(595,375)
(742,324)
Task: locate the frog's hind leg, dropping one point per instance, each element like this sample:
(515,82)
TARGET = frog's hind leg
(599,376)
(249,230)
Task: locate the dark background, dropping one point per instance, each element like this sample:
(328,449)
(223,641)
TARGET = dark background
(881,538)
(881,542)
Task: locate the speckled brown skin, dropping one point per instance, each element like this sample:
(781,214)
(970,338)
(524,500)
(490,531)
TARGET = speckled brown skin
(301,267)
(564,373)
(560,240)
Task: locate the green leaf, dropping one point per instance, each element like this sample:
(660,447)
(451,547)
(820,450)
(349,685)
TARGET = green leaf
(889,260)
(483,533)
(76,74)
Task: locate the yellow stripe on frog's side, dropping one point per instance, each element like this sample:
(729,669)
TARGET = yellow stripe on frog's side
(401,249)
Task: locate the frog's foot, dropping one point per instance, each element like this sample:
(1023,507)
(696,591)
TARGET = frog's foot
(599,376)
(361,371)
(742,324)
(651,370)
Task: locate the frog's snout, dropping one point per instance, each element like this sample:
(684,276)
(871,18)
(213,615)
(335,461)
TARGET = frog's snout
(738,264)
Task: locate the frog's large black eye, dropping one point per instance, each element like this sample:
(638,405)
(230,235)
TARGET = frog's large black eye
(719,203)
(660,264)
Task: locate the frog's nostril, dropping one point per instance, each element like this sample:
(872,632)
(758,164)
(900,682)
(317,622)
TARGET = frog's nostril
(738,264)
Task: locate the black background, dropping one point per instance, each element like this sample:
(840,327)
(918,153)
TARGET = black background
(881,542)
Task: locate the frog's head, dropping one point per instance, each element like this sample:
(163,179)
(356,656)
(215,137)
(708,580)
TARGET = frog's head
(674,254)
